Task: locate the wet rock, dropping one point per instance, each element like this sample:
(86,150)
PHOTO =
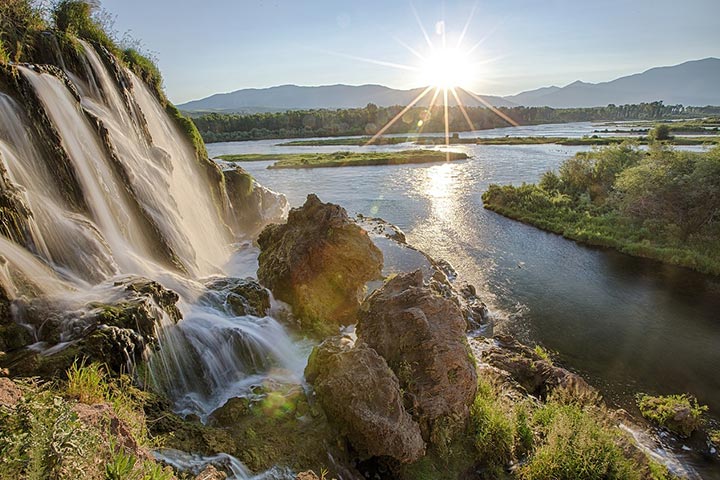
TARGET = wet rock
(421,335)
(360,393)
(252,206)
(211,473)
(239,297)
(116,333)
(534,374)
(318,262)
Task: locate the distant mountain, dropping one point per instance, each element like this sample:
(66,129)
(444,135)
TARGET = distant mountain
(293,97)
(694,83)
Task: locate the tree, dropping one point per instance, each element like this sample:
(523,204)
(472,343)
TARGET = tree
(660,132)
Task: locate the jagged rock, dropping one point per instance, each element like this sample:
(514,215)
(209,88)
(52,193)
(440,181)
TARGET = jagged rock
(360,393)
(253,206)
(115,333)
(318,262)
(238,296)
(535,374)
(307,475)
(422,336)
(211,473)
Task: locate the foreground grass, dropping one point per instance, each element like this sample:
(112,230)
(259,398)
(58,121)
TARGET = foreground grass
(347,159)
(88,427)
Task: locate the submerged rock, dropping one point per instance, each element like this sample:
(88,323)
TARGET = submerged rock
(360,393)
(238,296)
(318,262)
(421,335)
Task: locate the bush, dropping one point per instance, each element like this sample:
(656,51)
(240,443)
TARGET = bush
(77,17)
(20,22)
(678,413)
(660,132)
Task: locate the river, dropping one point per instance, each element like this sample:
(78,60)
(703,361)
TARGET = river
(628,325)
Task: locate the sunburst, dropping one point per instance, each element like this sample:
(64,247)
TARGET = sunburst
(447,70)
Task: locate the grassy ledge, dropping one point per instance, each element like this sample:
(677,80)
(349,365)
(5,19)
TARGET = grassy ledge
(662,204)
(347,159)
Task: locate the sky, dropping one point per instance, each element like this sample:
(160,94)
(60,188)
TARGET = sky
(213,46)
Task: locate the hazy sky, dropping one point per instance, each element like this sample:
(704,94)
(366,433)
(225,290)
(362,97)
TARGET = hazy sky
(212,46)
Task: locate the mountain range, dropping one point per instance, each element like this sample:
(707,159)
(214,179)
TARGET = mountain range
(694,83)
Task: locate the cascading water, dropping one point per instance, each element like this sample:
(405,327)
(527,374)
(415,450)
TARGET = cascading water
(150,213)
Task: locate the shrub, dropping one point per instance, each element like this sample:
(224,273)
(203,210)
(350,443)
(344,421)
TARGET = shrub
(20,21)
(661,132)
(678,413)
(78,17)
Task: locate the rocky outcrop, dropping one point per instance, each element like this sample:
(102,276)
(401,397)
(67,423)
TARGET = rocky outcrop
(238,296)
(421,335)
(252,205)
(115,333)
(318,262)
(360,393)
(532,373)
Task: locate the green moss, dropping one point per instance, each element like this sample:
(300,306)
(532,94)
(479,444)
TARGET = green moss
(189,129)
(678,413)
(144,68)
(541,352)
(347,159)
(714,436)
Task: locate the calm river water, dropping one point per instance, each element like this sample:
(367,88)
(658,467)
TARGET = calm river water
(628,325)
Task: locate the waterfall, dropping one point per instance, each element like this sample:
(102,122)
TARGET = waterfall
(150,212)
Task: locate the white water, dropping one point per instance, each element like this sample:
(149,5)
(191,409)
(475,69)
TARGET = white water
(146,196)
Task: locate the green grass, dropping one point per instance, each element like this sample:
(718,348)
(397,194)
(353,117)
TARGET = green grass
(559,214)
(663,411)
(346,159)
(87,383)
(577,443)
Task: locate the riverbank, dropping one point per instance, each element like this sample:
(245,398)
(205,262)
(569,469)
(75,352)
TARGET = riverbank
(657,206)
(347,159)
(566,141)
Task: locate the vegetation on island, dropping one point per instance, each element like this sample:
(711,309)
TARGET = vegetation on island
(662,203)
(680,414)
(224,127)
(346,159)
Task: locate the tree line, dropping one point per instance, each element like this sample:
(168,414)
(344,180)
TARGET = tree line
(219,127)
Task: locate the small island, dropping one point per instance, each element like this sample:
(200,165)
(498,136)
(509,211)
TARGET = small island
(347,159)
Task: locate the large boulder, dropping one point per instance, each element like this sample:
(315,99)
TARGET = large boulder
(360,393)
(318,262)
(421,335)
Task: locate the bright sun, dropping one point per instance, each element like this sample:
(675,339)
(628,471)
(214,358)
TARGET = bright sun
(447,68)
